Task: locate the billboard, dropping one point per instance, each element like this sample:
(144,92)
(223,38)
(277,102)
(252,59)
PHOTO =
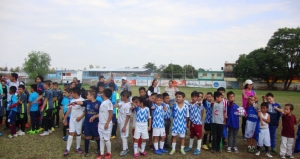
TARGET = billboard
(192,84)
(141,82)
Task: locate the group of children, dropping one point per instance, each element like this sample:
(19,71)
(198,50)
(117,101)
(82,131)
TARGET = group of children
(97,117)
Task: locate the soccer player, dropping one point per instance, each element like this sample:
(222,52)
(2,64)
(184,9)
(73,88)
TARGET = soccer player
(158,125)
(76,121)
(65,106)
(47,108)
(196,114)
(105,124)
(124,120)
(114,99)
(180,114)
(58,95)
(33,109)
(22,109)
(12,107)
(252,119)
(208,120)
(141,126)
(167,117)
(91,120)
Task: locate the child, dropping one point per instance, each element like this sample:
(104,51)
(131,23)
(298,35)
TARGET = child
(288,130)
(232,122)
(105,124)
(12,109)
(218,121)
(33,109)
(57,94)
(47,108)
(252,118)
(180,114)
(274,119)
(124,120)
(224,134)
(208,123)
(158,125)
(141,126)
(76,121)
(115,111)
(196,114)
(101,90)
(22,109)
(150,102)
(91,120)
(167,117)
(264,134)
(65,106)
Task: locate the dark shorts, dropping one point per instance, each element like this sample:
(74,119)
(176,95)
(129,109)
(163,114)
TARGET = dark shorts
(21,116)
(195,130)
(47,114)
(207,127)
(12,116)
(91,131)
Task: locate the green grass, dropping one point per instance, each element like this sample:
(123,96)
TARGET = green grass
(34,146)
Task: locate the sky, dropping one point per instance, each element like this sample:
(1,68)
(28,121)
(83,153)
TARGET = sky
(119,34)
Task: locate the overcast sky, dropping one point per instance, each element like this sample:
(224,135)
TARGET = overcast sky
(115,34)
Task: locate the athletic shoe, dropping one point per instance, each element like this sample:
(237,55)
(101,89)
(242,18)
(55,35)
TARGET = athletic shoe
(229,149)
(40,129)
(249,149)
(136,155)
(172,152)
(86,154)
(29,132)
(289,156)
(45,133)
(158,152)
(182,152)
(112,137)
(144,154)
(188,149)
(10,136)
(100,157)
(66,152)
(268,155)
(65,138)
(1,134)
(282,156)
(108,156)
(124,152)
(204,147)
(79,151)
(50,131)
(235,149)
(21,133)
(274,150)
(257,153)
(163,151)
(197,152)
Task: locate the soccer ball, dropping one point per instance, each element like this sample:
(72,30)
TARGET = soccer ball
(241,112)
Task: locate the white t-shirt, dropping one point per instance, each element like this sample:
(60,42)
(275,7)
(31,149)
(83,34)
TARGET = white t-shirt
(77,110)
(124,110)
(103,111)
(16,84)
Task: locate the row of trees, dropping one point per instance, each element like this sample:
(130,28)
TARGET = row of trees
(173,70)
(279,60)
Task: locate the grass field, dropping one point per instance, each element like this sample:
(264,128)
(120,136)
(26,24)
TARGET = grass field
(36,147)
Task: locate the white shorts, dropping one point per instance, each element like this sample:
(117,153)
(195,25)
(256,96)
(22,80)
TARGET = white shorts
(159,132)
(126,133)
(75,126)
(180,135)
(141,131)
(250,129)
(104,134)
(264,138)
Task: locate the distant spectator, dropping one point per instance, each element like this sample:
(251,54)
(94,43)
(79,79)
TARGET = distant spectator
(102,80)
(77,82)
(39,80)
(171,90)
(153,88)
(125,86)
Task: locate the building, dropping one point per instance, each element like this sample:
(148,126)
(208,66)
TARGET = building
(228,72)
(211,75)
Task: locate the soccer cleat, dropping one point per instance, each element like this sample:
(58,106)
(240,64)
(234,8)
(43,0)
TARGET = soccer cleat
(40,129)
(52,129)
(29,132)
(86,154)
(204,147)
(144,154)
(268,155)
(10,136)
(45,133)
(108,156)
(163,151)
(21,133)
(188,149)
(66,152)
(79,151)
(197,152)
(136,155)
(249,150)
(112,137)
(158,152)
(182,152)
(257,153)
(124,152)
(229,149)
(172,152)
(235,149)
(100,157)
(65,138)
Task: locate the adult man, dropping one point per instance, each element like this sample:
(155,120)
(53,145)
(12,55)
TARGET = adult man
(76,81)
(125,86)
(13,82)
(102,80)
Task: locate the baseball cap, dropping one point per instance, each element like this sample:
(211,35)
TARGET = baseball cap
(101,76)
(124,78)
(248,81)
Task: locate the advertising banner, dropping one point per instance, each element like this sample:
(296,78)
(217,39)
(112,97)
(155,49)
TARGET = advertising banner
(217,84)
(192,84)
(206,84)
(141,82)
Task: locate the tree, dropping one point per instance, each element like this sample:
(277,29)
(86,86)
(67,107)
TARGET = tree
(91,66)
(201,69)
(150,66)
(84,68)
(285,42)
(11,70)
(37,63)
(161,68)
(190,71)
(52,70)
(173,71)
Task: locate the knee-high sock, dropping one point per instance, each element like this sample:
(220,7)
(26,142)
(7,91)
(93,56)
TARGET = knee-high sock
(101,146)
(86,145)
(135,148)
(125,143)
(108,146)
(69,142)
(191,143)
(199,144)
(161,145)
(78,141)
(143,146)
